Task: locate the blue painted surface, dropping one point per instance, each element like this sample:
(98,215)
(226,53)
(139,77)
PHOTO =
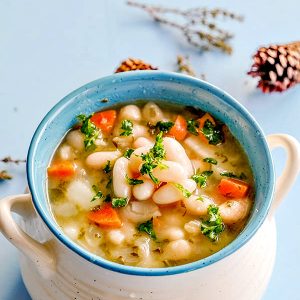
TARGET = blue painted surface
(155,86)
(49,50)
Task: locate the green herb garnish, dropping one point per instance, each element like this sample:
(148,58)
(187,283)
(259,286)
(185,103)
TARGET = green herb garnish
(98,195)
(119,202)
(90,131)
(164,126)
(127,126)
(107,168)
(213,133)
(184,191)
(192,126)
(213,226)
(133,181)
(147,227)
(128,153)
(201,178)
(232,175)
(210,160)
(153,158)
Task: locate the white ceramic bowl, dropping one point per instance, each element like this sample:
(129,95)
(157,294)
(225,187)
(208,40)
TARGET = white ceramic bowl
(54,267)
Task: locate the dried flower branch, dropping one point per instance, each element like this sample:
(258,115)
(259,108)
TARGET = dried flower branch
(4,175)
(197,26)
(184,66)
(8,159)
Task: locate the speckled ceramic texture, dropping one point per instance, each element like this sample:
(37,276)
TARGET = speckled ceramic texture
(156,86)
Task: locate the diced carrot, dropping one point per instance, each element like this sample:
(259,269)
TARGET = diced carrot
(233,188)
(61,169)
(106,216)
(179,130)
(202,121)
(105,120)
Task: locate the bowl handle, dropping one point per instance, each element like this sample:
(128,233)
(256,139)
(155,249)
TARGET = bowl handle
(292,167)
(38,252)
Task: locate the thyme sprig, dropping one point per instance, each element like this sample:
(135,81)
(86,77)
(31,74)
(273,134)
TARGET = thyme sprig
(197,24)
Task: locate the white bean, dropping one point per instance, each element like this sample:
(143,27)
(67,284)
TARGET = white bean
(177,250)
(115,236)
(140,130)
(65,209)
(143,191)
(71,230)
(140,211)
(175,152)
(130,112)
(135,159)
(80,193)
(197,205)
(75,138)
(98,160)
(233,211)
(169,193)
(142,142)
(152,113)
(192,227)
(93,236)
(66,152)
(202,149)
(120,184)
(170,233)
(171,172)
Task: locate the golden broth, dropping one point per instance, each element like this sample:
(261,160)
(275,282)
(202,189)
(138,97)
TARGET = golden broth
(177,216)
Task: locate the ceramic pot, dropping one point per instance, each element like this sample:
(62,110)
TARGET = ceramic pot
(54,267)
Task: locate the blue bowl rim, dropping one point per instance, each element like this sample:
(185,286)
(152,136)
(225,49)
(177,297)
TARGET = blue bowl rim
(131,270)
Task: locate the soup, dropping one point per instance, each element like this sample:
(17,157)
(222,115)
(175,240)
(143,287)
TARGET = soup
(150,185)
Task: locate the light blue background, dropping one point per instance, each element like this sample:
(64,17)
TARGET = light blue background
(49,48)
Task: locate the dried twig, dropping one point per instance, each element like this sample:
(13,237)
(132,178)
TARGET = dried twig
(8,159)
(184,66)
(198,24)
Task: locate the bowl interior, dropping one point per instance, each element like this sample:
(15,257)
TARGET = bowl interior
(156,86)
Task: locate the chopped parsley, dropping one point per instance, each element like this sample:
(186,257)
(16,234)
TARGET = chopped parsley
(164,126)
(213,133)
(201,178)
(232,175)
(119,202)
(90,131)
(127,126)
(210,160)
(192,126)
(133,181)
(153,158)
(98,194)
(128,153)
(185,192)
(213,226)
(147,227)
(107,168)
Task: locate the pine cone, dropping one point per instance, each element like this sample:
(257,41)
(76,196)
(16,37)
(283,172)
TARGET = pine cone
(132,64)
(277,66)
